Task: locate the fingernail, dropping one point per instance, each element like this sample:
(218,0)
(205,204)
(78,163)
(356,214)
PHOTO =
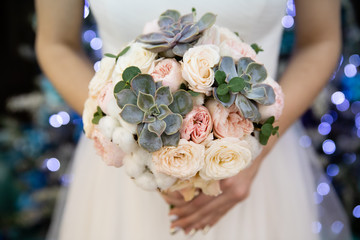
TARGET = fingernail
(174,230)
(192,232)
(173,218)
(206,229)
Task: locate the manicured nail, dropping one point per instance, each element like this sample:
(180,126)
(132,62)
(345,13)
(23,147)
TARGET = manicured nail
(206,229)
(174,230)
(173,218)
(192,232)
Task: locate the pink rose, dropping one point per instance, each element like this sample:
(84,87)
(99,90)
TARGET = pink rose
(228,122)
(197,125)
(276,108)
(236,49)
(169,72)
(151,27)
(105,97)
(110,153)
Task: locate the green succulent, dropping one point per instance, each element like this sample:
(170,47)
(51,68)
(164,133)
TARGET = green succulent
(241,83)
(177,33)
(156,111)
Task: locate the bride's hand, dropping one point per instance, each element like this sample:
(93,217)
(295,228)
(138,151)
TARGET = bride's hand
(204,211)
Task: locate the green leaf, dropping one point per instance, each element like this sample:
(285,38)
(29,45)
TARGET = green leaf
(125,96)
(237,34)
(236,84)
(110,55)
(145,101)
(143,83)
(130,72)
(270,120)
(163,96)
(132,114)
(164,111)
(171,140)
(123,52)
(149,140)
(157,127)
(222,89)
(96,119)
(193,10)
(263,139)
(192,93)
(224,98)
(266,129)
(220,77)
(119,86)
(173,123)
(182,103)
(256,48)
(257,72)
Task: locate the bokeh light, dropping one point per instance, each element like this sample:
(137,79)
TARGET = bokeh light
(350,70)
(324,128)
(287,21)
(327,118)
(332,170)
(328,146)
(316,227)
(97,66)
(96,43)
(86,11)
(65,117)
(349,158)
(53,164)
(318,198)
(356,211)
(305,141)
(323,189)
(337,227)
(89,35)
(337,97)
(55,121)
(344,106)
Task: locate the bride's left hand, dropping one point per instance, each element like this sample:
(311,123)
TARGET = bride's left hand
(204,211)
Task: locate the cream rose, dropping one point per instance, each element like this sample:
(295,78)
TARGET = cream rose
(197,67)
(183,161)
(90,107)
(225,158)
(168,71)
(228,122)
(236,49)
(276,108)
(137,56)
(216,35)
(101,77)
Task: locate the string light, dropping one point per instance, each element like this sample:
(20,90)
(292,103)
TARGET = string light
(328,146)
(53,164)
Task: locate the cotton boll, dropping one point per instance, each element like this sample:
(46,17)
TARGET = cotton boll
(198,100)
(164,181)
(254,144)
(146,181)
(128,126)
(107,125)
(132,167)
(124,139)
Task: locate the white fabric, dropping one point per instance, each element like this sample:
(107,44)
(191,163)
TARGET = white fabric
(104,203)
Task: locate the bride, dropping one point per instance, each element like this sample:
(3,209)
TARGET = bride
(271,200)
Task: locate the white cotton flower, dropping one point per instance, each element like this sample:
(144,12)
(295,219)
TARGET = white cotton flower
(254,145)
(132,166)
(128,126)
(124,139)
(164,181)
(146,181)
(107,126)
(199,100)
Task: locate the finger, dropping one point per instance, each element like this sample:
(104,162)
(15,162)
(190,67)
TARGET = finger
(189,207)
(174,199)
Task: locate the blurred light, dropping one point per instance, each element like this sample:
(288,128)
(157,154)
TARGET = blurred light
(350,70)
(87,3)
(333,114)
(328,146)
(355,60)
(287,21)
(89,35)
(337,97)
(65,117)
(355,107)
(53,164)
(332,170)
(318,198)
(323,189)
(356,211)
(327,118)
(316,227)
(358,132)
(324,128)
(86,11)
(337,227)
(96,43)
(55,121)
(97,66)
(291,10)
(349,158)
(305,141)
(65,179)
(343,106)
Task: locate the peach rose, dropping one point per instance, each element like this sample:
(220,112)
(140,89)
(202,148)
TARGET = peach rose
(197,67)
(183,161)
(216,35)
(225,158)
(101,77)
(105,97)
(236,49)
(276,108)
(110,153)
(228,122)
(169,72)
(197,125)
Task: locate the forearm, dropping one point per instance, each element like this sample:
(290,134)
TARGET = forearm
(68,69)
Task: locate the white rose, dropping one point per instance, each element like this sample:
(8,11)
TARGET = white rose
(183,161)
(137,56)
(254,145)
(101,77)
(90,107)
(124,139)
(107,126)
(197,67)
(225,158)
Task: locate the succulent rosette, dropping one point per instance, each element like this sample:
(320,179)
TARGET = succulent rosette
(183,106)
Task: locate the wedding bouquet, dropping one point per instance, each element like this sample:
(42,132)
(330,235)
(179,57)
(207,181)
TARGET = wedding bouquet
(183,106)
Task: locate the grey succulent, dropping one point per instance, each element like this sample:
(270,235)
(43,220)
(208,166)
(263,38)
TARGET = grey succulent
(178,33)
(156,111)
(242,83)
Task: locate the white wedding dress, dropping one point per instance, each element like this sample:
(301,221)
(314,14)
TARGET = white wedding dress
(103,203)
